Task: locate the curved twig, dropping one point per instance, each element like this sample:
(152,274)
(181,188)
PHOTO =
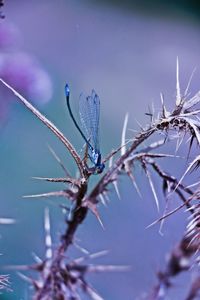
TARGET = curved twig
(51,126)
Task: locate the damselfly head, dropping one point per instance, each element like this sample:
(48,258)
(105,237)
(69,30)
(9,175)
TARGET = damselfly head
(99,165)
(99,169)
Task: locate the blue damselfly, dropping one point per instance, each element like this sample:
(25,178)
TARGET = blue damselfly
(89,110)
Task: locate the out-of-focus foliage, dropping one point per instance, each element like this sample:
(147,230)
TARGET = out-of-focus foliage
(155,6)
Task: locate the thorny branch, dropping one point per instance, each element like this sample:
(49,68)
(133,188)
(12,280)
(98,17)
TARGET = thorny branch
(62,279)
(179,260)
(50,125)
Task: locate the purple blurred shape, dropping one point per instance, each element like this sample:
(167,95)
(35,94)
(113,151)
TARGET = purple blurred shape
(9,36)
(21,71)
(24,73)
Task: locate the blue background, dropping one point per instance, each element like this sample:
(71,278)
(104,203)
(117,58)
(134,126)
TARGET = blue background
(128,54)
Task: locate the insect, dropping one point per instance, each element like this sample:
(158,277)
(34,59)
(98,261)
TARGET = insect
(89,110)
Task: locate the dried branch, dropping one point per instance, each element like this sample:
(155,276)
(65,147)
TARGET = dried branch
(194,291)
(61,279)
(51,126)
(4,282)
(179,260)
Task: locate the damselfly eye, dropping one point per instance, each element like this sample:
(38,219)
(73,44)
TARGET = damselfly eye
(100,168)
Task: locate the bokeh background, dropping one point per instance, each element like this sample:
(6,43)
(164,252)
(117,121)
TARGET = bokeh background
(127,51)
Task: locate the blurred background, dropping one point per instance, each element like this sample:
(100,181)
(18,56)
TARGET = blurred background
(126,51)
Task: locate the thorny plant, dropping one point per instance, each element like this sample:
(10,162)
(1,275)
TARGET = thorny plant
(60,278)
(2,16)
(4,278)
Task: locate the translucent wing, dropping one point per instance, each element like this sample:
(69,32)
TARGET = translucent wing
(89,110)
